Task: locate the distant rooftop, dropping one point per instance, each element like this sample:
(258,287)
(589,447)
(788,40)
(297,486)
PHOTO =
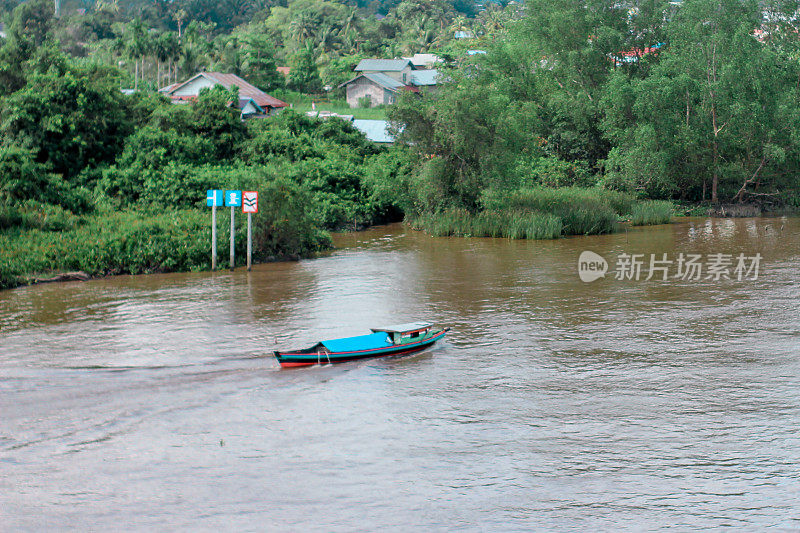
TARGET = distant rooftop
(383,65)
(424,77)
(424,60)
(375,130)
(246,90)
(328,114)
(381,79)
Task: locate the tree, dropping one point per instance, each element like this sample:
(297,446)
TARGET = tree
(214,115)
(715,113)
(69,116)
(31,22)
(258,64)
(304,76)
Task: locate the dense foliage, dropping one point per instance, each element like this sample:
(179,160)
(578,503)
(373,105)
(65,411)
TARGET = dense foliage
(696,102)
(158,42)
(578,116)
(87,173)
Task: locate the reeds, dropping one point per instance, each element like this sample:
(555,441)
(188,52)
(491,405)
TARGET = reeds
(508,224)
(651,212)
(545,213)
(581,211)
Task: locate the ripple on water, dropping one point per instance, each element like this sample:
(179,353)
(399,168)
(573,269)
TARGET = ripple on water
(154,401)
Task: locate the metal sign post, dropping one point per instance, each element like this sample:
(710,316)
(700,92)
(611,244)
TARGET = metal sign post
(233,199)
(250,206)
(213,199)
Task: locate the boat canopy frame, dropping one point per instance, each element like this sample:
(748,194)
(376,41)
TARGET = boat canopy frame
(411,327)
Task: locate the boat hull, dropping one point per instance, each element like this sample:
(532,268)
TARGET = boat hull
(300,359)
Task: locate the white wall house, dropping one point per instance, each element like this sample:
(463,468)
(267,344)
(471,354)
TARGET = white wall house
(252,100)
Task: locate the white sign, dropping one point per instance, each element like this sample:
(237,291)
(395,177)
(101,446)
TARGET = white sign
(250,202)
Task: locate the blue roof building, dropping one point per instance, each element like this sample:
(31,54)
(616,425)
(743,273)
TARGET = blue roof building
(375,130)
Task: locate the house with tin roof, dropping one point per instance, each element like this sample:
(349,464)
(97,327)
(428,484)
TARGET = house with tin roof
(374,88)
(380,81)
(252,102)
(399,69)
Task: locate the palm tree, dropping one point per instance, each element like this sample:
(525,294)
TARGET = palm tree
(164,51)
(180,16)
(328,39)
(303,26)
(136,47)
(349,28)
(171,47)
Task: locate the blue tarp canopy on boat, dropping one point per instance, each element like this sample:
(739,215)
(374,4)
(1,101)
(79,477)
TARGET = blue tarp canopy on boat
(355,344)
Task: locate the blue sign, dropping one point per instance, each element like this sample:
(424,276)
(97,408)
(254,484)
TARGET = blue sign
(233,198)
(213,198)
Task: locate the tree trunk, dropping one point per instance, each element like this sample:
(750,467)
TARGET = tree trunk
(136,76)
(740,194)
(687,109)
(712,94)
(715,175)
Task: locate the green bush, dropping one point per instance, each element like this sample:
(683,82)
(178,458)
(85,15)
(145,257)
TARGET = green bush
(365,102)
(136,242)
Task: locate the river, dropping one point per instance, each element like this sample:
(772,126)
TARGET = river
(153,402)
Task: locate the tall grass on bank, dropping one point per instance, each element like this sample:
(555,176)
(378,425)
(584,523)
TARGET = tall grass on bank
(545,213)
(651,212)
(581,211)
(36,216)
(139,242)
(509,224)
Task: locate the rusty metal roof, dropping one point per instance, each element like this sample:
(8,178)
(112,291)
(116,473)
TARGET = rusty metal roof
(246,90)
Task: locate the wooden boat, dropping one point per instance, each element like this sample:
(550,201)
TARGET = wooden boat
(392,340)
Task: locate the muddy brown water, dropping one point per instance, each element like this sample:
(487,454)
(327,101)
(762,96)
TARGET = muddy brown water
(153,403)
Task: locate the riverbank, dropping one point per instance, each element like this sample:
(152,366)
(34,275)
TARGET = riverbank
(137,242)
(53,245)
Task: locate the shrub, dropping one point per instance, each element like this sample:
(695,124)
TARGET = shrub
(136,242)
(365,102)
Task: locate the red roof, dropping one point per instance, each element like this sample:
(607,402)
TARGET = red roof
(638,52)
(246,90)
